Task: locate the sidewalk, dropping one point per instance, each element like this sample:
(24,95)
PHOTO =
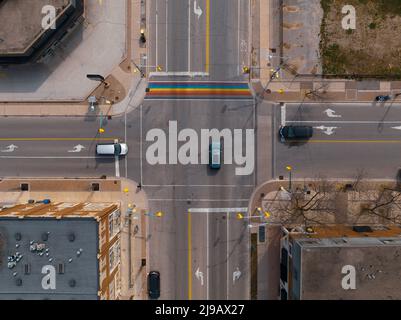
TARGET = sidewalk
(268,251)
(126,90)
(123,191)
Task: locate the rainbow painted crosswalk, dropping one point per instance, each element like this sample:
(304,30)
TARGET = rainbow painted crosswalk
(198,90)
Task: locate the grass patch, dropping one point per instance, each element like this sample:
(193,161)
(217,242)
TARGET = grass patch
(373,49)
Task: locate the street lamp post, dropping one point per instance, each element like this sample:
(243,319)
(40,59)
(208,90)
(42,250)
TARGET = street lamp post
(98,77)
(101,129)
(289,169)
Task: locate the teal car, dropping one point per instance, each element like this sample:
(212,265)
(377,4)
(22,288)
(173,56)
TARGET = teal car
(215,155)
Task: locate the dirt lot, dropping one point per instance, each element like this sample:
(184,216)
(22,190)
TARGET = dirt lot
(372,49)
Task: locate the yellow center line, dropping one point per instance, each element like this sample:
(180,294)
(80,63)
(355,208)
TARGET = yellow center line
(353,141)
(57,139)
(189,257)
(207,35)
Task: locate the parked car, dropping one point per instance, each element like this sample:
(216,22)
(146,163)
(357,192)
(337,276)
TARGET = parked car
(116,149)
(295,133)
(215,155)
(154,284)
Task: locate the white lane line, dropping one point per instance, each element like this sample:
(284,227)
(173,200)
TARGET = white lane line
(207,256)
(227,253)
(344,122)
(141,144)
(283,115)
(238,43)
(189,35)
(166,35)
(125,136)
(217,210)
(199,185)
(117,165)
(49,157)
(157,33)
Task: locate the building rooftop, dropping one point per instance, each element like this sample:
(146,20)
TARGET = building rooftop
(21,22)
(28,245)
(22,36)
(375,253)
(62,235)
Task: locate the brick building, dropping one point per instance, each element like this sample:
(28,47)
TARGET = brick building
(318,263)
(60,251)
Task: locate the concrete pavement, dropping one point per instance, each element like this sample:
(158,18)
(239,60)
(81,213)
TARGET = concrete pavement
(62,76)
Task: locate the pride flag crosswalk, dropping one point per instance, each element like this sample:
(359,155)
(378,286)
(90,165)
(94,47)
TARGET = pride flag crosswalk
(198,90)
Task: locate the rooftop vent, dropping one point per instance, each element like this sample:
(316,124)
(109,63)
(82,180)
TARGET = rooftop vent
(45,236)
(61,268)
(27,268)
(71,237)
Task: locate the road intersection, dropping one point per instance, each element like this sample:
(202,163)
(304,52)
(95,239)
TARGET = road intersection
(195,55)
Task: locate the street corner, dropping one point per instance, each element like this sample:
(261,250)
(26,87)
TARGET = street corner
(133,195)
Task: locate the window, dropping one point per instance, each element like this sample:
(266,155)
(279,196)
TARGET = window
(114,223)
(114,256)
(111,259)
(111,226)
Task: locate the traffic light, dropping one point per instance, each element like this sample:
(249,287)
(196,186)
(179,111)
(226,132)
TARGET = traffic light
(240,216)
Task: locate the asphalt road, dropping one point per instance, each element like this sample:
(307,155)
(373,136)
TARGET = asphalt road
(43,146)
(198,253)
(199,231)
(176,188)
(350,139)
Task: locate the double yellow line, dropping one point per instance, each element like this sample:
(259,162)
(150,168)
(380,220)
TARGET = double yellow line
(189,256)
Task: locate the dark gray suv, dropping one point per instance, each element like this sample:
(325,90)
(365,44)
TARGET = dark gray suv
(295,133)
(154,284)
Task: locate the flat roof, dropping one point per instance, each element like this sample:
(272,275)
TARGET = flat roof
(21,22)
(69,245)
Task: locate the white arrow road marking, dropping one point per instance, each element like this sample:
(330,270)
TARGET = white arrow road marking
(331,113)
(10,148)
(397,128)
(236,275)
(327,130)
(77,148)
(197,9)
(199,276)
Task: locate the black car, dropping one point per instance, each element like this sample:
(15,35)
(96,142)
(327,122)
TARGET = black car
(295,133)
(154,284)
